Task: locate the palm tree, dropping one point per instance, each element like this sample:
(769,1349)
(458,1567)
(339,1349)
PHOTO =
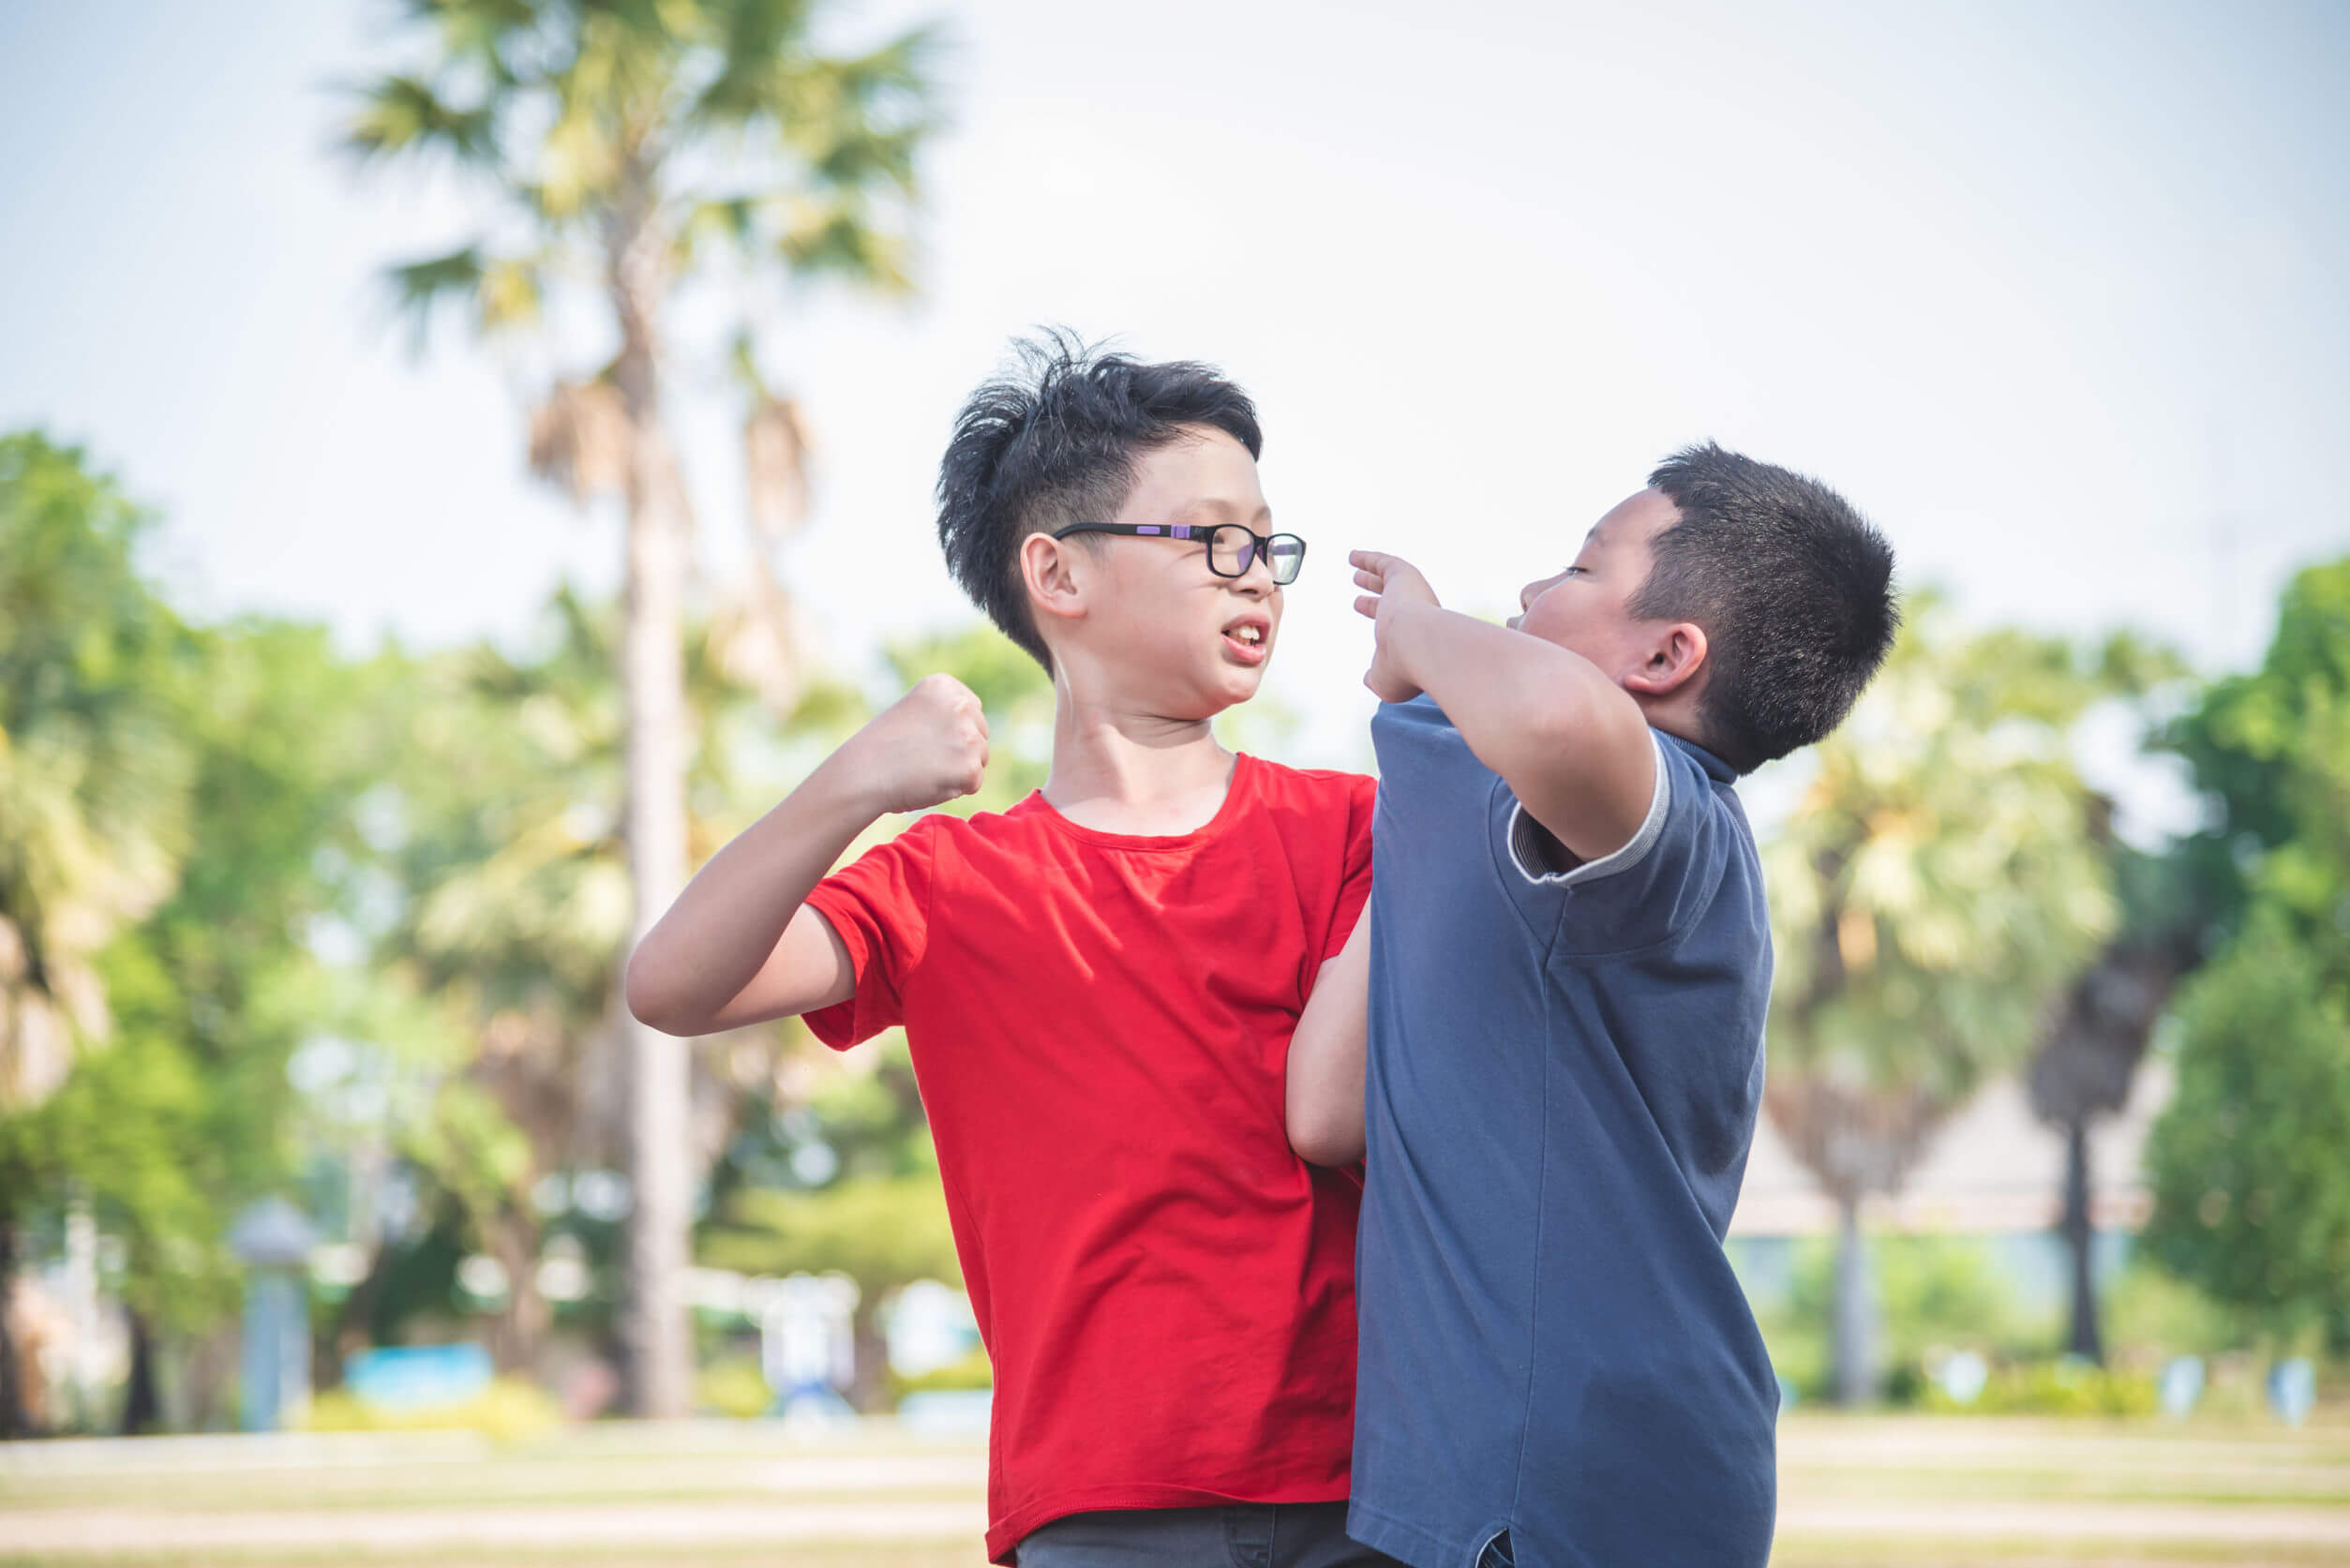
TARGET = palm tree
(2082,1070)
(627,149)
(1939,882)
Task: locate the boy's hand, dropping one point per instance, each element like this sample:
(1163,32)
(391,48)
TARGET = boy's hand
(927,748)
(1393,582)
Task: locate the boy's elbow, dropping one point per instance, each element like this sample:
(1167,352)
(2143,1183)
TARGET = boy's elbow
(650,1000)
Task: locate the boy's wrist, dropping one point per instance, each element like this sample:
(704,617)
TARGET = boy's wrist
(1408,641)
(845,791)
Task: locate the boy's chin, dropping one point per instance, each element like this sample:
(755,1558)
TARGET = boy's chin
(1237,684)
(1217,690)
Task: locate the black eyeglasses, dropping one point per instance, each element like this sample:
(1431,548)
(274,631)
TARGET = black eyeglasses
(1231,548)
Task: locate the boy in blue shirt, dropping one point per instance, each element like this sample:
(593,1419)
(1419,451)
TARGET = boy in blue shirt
(1567,967)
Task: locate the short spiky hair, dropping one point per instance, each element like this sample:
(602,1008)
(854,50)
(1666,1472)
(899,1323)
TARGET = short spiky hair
(1794,592)
(1055,442)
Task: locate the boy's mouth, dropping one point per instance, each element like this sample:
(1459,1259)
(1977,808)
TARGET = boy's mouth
(1249,638)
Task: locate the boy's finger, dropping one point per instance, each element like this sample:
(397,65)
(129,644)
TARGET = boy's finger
(1367,605)
(1368,559)
(1368,579)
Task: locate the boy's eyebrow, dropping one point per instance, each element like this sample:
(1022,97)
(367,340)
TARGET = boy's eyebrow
(1218,504)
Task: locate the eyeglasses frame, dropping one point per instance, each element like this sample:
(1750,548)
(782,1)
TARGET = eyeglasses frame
(1260,544)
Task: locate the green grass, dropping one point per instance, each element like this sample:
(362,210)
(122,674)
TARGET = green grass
(1855,1492)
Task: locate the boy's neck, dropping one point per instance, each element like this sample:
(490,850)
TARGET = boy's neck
(1120,771)
(1676,714)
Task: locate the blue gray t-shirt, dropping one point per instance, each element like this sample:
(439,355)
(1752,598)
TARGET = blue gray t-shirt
(1565,1062)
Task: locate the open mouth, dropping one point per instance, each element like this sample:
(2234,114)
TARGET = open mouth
(1249,640)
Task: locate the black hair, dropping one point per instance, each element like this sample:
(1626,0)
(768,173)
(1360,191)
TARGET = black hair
(1055,442)
(1792,586)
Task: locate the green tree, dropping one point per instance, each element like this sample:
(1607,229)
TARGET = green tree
(177,819)
(639,148)
(1938,883)
(93,776)
(2251,1195)
(92,787)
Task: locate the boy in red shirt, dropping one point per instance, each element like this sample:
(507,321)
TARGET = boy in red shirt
(1099,986)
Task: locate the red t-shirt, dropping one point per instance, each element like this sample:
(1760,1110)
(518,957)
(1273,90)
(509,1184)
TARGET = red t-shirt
(1100,1024)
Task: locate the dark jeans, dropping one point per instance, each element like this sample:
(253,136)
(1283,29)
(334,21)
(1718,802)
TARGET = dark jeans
(1239,1535)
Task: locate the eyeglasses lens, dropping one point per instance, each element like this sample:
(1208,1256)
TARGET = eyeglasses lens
(1230,551)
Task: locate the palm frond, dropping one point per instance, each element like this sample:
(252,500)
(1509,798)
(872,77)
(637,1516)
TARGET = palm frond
(405,114)
(419,289)
(752,38)
(506,292)
(482,33)
(580,440)
(857,122)
(834,238)
(775,470)
(511,294)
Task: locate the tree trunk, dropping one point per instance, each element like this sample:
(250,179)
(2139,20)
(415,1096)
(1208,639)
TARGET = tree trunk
(13,1420)
(869,1389)
(2080,1241)
(658,1349)
(656,1330)
(522,1323)
(352,1327)
(1854,1326)
(141,1409)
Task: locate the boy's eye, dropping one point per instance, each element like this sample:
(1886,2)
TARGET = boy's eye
(1572,572)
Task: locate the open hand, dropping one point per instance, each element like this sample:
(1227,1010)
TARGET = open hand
(1394,583)
(927,748)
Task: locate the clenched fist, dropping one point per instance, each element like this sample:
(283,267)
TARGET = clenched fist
(928,747)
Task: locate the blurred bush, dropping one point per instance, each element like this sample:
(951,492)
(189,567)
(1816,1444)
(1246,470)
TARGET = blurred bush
(2068,1386)
(733,1385)
(973,1371)
(2152,1315)
(508,1411)
(1933,1293)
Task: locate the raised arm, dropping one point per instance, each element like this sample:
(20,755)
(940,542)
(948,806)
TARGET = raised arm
(1572,745)
(1324,1094)
(739,947)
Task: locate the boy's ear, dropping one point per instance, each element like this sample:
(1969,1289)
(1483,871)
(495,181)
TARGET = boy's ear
(1052,571)
(1673,659)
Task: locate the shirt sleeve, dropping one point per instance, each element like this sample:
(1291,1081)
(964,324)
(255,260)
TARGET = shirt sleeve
(879,905)
(1355,878)
(1639,895)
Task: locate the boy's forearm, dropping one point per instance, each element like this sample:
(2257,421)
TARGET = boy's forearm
(715,939)
(1512,697)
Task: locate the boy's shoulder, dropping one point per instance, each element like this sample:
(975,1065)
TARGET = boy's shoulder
(1306,807)
(1311,784)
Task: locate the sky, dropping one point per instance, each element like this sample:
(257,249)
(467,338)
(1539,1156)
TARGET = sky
(2052,292)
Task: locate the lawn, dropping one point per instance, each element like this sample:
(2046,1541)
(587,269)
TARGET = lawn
(1902,1492)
